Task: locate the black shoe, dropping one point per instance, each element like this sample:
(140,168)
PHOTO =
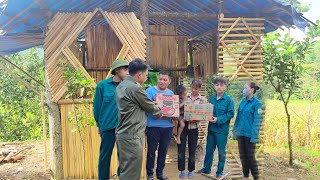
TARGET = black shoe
(162,178)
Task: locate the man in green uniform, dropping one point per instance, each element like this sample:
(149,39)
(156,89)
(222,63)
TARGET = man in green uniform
(106,114)
(218,129)
(133,104)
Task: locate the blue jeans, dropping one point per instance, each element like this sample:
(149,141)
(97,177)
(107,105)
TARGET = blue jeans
(108,139)
(215,140)
(157,138)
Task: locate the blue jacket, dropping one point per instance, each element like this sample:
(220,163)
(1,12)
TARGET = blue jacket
(104,106)
(248,119)
(224,111)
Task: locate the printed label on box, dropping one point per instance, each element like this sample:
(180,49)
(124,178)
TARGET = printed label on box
(169,104)
(198,112)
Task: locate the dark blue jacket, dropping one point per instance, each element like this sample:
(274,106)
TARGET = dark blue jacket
(224,111)
(248,119)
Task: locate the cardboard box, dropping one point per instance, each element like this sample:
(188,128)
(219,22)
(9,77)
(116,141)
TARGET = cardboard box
(198,112)
(169,104)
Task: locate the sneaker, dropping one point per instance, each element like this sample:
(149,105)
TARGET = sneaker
(150,178)
(182,175)
(190,175)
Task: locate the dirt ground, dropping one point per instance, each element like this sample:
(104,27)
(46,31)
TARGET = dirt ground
(32,167)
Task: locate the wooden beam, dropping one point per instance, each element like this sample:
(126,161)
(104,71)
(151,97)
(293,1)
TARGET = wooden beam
(203,34)
(42,4)
(191,52)
(239,4)
(274,24)
(17,15)
(182,15)
(144,19)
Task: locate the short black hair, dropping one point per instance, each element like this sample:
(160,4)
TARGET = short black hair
(180,89)
(197,83)
(164,72)
(220,80)
(137,65)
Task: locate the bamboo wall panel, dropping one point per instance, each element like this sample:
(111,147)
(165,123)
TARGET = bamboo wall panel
(128,29)
(167,49)
(240,53)
(60,38)
(61,47)
(73,165)
(103,46)
(98,75)
(203,61)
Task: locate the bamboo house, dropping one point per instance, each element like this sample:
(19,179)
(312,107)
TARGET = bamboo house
(202,36)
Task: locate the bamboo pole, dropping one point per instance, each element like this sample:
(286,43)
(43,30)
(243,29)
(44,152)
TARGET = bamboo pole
(20,79)
(6,60)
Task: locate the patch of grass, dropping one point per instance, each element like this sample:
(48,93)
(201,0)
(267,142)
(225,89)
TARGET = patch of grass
(304,156)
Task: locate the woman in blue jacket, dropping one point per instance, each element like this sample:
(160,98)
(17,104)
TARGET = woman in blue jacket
(246,130)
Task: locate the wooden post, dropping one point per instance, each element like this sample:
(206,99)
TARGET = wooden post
(144,18)
(56,164)
(190,53)
(44,129)
(215,45)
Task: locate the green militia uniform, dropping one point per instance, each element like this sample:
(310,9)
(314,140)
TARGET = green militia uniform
(133,104)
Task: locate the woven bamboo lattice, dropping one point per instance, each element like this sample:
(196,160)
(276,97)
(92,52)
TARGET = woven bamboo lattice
(240,54)
(60,36)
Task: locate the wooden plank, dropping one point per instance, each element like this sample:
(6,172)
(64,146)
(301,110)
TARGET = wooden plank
(127,35)
(274,24)
(236,57)
(248,19)
(73,34)
(253,48)
(249,29)
(240,35)
(237,46)
(64,142)
(61,34)
(118,30)
(75,62)
(231,27)
(256,51)
(253,24)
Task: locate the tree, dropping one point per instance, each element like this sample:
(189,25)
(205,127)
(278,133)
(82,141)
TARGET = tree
(301,7)
(283,60)
(20,114)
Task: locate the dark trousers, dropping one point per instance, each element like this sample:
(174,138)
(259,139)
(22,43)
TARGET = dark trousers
(108,139)
(247,156)
(215,140)
(157,138)
(192,135)
(130,153)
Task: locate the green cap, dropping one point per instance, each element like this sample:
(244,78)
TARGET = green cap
(118,63)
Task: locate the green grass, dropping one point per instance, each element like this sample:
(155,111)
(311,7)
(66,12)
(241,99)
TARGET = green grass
(303,156)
